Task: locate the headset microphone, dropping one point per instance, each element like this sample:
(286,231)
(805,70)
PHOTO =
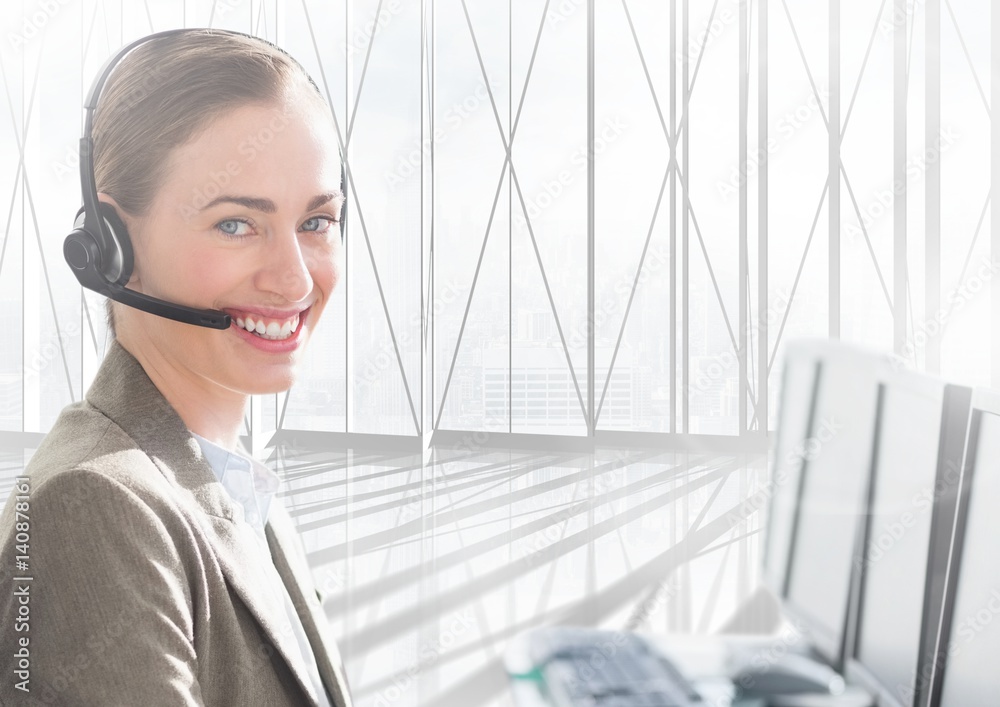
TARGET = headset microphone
(99,250)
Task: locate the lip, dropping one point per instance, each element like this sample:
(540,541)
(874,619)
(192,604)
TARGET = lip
(265,312)
(283,346)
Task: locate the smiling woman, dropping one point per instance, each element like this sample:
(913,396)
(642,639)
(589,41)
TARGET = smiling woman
(217,171)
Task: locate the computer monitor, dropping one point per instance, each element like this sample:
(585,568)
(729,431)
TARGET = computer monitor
(830,499)
(799,381)
(905,533)
(965,671)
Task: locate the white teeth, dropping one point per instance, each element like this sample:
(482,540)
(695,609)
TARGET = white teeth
(272,331)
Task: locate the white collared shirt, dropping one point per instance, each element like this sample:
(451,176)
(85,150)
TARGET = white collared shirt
(253,486)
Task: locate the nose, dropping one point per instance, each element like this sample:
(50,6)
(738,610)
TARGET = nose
(285,268)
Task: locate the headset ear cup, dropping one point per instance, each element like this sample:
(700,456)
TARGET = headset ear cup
(118,267)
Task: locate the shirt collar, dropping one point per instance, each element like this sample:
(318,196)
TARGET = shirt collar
(247,481)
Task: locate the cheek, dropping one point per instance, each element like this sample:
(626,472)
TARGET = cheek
(326,267)
(202,275)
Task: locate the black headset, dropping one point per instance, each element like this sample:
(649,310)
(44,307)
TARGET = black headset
(99,250)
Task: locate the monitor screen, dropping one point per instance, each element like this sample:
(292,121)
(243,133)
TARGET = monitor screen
(894,575)
(798,381)
(835,475)
(971,677)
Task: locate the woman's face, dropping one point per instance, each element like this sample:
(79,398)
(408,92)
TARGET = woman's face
(246,223)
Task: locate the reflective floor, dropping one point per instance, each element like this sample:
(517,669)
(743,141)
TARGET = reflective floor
(432,563)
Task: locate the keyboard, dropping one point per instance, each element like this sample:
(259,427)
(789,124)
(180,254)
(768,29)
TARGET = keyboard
(613,672)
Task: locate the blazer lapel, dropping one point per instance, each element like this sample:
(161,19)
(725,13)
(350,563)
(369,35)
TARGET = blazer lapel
(243,570)
(282,538)
(122,391)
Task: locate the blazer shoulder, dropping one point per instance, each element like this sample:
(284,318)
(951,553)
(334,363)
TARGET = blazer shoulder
(83,438)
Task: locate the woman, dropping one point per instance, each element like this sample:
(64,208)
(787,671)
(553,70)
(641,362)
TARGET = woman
(161,569)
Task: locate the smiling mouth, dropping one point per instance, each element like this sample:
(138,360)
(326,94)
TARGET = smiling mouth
(270,330)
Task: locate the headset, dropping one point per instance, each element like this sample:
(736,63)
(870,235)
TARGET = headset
(99,250)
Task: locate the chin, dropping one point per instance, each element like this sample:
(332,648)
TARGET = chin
(266,385)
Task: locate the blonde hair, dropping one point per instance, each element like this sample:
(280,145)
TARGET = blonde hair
(165,91)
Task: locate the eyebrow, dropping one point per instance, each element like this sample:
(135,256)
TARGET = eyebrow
(266,205)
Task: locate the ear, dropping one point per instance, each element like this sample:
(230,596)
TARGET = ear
(129,221)
(132,226)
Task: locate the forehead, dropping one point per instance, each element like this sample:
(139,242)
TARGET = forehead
(273,146)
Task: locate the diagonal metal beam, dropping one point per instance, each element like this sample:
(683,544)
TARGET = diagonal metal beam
(672,301)
(26,184)
(531,66)
(965,266)
(284,406)
(635,282)
(90,322)
(672,142)
(763,386)
(968,57)
(805,63)
(833,165)
(649,81)
(900,274)
(326,84)
(548,291)
(381,293)
(364,73)
(360,215)
(10,210)
(712,600)
(701,50)
(932,181)
(689,209)
(743,257)
(149,16)
(864,66)
(798,275)
(48,284)
(472,291)
(868,242)
(508,145)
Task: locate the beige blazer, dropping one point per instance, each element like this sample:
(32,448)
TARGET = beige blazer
(144,581)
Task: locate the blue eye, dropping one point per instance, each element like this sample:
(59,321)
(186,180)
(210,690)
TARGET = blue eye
(231,228)
(317,222)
